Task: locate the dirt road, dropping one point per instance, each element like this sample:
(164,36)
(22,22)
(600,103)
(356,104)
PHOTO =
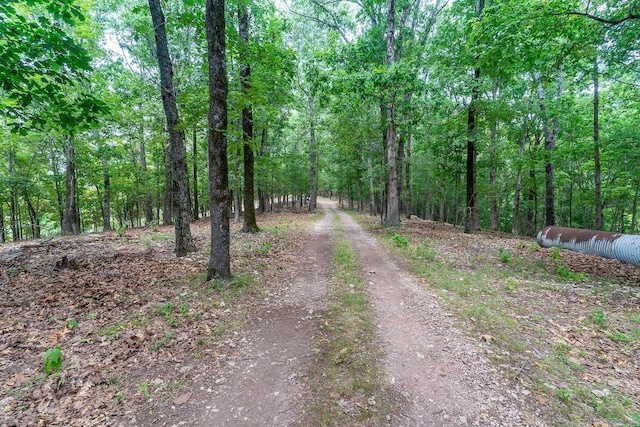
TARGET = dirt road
(440,373)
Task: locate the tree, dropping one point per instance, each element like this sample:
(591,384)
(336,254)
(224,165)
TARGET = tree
(184,241)
(393,203)
(249,219)
(220,258)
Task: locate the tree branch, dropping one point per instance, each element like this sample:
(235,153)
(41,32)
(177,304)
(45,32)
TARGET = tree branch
(602,20)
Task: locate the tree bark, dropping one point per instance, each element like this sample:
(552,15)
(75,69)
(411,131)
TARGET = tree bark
(471,223)
(184,241)
(551,129)
(471,211)
(392,217)
(70,224)
(220,258)
(249,224)
(596,146)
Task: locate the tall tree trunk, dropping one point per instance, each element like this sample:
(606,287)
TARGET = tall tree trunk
(249,224)
(471,223)
(181,205)
(392,211)
(471,211)
(220,258)
(196,204)
(313,157)
(596,146)
(106,208)
(551,129)
(70,223)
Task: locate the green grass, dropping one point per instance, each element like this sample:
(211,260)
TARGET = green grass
(347,377)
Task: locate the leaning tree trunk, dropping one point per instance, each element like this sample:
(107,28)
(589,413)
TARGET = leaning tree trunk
(70,224)
(184,241)
(392,216)
(220,258)
(249,224)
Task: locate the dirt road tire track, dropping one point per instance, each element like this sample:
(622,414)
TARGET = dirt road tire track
(260,381)
(440,371)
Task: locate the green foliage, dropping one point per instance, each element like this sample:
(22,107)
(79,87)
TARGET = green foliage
(425,251)
(555,253)
(52,360)
(565,395)
(565,273)
(72,324)
(598,317)
(400,241)
(505,256)
(144,389)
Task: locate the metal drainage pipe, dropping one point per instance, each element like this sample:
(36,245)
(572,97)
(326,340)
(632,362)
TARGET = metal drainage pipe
(623,247)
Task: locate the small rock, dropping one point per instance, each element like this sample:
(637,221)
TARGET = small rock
(371,401)
(182,399)
(221,380)
(420,355)
(601,393)
(231,363)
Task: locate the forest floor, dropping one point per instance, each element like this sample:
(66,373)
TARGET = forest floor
(330,320)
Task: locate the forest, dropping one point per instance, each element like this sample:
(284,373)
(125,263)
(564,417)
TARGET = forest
(496,114)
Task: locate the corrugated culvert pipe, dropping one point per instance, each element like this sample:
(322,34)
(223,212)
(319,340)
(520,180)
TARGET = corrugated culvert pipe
(623,247)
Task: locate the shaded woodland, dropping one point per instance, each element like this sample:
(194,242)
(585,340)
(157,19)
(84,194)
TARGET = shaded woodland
(503,115)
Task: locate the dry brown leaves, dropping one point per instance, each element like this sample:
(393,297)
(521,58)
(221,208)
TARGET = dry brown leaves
(126,313)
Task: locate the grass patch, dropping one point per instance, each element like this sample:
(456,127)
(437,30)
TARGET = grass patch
(347,380)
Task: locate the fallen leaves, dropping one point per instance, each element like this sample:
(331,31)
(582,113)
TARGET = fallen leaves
(121,311)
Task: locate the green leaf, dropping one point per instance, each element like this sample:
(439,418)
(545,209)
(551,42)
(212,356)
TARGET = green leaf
(52,360)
